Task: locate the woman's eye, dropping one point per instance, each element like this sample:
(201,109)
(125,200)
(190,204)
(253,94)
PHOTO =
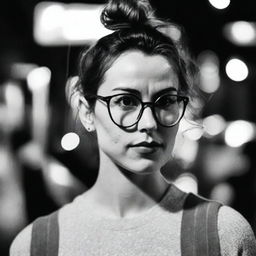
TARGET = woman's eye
(166,101)
(126,101)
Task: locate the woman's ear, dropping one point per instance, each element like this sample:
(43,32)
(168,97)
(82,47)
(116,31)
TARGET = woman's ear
(86,114)
(80,105)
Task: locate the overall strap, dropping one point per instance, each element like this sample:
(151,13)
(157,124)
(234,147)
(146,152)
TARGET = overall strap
(45,236)
(199,227)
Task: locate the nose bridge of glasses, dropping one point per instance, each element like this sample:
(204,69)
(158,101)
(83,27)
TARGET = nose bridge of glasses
(147,116)
(145,105)
(148,104)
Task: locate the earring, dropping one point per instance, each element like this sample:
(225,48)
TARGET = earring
(88,129)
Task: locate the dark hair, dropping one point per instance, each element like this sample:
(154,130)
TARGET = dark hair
(135,27)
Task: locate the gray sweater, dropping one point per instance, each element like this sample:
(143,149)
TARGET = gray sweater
(156,232)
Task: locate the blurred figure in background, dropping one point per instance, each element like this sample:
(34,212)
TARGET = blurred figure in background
(12,199)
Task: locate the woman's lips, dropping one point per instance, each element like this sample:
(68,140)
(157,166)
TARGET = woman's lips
(147,147)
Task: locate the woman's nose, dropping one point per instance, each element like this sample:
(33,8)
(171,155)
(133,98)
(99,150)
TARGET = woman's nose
(147,120)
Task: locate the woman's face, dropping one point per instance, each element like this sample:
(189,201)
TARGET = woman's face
(132,148)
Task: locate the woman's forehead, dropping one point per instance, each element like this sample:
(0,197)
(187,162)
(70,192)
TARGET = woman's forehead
(137,70)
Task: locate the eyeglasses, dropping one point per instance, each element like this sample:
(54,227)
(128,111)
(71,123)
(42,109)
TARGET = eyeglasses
(126,109)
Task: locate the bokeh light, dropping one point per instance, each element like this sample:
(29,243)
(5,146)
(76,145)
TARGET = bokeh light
(209,71)
(214,125)
(38,78)
(70,141)
(59,174)
(62,24)
(237,70)
(187,182)
(243,32)
(53,16)
(239,132)
(185,150)
(220,4)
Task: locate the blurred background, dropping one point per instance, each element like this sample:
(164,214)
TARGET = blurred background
(47,158)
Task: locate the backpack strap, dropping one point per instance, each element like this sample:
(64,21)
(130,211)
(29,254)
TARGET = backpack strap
(45,236)
(199,227)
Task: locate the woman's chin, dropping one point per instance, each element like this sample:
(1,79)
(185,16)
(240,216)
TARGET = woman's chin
(142,167)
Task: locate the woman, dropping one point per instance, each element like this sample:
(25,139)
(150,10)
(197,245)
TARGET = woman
(133,89)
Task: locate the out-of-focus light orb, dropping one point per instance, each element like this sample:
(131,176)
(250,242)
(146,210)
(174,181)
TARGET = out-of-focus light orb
(185,149)
(70,141)
(14,104)
(214,124)
(62,24)
(53,16)
(209,71)
(237,70)
(59,174)
(38,78)
(71,30)
(243,32)
(194,133)
(239,132)
(187,182)
(173,31)
(224,193)
(191,130)
(219,4)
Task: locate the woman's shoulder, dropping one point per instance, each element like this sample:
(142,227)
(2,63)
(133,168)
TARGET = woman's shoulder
(235,233)
(21,244)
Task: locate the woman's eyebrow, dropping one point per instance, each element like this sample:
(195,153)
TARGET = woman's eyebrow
(169,89)
(126,89)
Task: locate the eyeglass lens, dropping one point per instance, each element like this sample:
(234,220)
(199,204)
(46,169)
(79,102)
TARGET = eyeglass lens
(126,109)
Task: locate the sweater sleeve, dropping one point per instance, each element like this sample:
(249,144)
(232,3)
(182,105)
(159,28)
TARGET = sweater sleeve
(235,233)
(21,244)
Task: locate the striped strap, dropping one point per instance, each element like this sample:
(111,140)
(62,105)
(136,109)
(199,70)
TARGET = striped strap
(45,236)
(199,231)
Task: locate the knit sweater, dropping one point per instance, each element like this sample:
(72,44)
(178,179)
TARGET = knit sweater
(156,232)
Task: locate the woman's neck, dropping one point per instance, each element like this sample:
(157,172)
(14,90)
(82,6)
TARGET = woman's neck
(121,193)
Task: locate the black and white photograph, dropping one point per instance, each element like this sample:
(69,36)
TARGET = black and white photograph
(127,128)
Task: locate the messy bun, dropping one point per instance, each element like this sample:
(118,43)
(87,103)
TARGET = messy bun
(128,14)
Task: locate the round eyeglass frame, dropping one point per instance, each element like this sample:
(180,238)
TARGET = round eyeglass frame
(107,99)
